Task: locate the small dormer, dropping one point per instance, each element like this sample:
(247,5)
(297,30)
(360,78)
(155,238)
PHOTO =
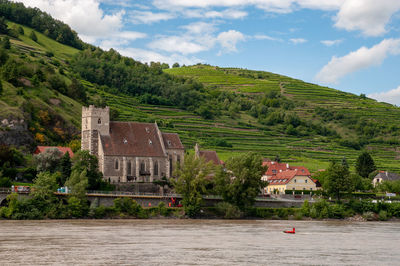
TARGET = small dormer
(150,142)
(147,130)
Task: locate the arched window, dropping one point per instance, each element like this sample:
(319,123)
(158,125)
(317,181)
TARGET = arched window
(142,167)
(116,164)
(99,121)
(170,165)
(156,168)
(129,168)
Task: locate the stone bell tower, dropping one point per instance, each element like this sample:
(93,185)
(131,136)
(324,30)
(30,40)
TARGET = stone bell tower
(95,122)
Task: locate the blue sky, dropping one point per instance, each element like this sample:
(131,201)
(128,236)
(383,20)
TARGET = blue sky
(351,45)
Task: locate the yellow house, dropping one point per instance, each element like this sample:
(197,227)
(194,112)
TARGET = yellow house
(289,180)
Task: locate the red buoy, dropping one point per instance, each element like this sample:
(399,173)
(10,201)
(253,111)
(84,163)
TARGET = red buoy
(290,232)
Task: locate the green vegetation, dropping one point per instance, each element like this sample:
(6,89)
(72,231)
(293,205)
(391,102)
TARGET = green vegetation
(191,183)
(240,184)
(365,165)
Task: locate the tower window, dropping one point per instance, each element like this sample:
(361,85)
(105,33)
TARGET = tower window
(99,121)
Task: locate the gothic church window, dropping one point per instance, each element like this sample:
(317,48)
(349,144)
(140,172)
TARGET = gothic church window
(155,168)
(129,168)
(99,121)
(116,164)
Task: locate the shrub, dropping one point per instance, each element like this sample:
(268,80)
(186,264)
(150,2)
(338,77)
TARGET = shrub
(127,206)
(383,215)
(228,210)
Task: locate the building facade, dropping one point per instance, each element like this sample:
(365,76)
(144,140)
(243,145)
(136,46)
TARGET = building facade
(129,151)
(282,176)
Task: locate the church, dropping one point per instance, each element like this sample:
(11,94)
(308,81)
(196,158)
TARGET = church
(129,151)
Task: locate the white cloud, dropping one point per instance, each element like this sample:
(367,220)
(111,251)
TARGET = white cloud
(392,96)
(354,61)
(177,44)
(147,56)
(200,28)
(198,37)
(298,40)
(85,17)
(227,13)
(266,37)
(331,42)
(229,39)
(148,17)
(369,16)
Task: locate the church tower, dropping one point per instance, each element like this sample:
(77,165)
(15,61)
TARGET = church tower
(95,121)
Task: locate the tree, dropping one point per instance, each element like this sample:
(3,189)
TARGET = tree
(65,168)
(241,183)
(21,30)
(1,87)
(3,26)
(365,164)
(83,160)
(191,182)
(6,43)
(48,160)
(44,185)
(337,180)
(78,183)
(33,36)
(175,65)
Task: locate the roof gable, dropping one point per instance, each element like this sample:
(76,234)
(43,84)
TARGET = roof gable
(172,141)
(210,156)
(387,176)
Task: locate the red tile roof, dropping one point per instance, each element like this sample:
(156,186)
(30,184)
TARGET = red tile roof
(41,149)
(132,139)
(172,141)
(284,177)
(210,156)
(274,168)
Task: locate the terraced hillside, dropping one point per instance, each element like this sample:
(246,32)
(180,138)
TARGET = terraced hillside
(327,124)
(338,110)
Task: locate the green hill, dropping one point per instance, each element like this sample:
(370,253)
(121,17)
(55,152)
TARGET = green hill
(45,83)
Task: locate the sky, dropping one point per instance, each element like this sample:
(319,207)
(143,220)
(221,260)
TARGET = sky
(350,45)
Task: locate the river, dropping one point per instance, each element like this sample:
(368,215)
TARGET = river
(198,242)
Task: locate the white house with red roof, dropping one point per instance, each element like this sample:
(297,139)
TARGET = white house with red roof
(282,176)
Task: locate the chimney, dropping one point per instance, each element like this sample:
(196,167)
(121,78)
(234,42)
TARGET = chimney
(287,166)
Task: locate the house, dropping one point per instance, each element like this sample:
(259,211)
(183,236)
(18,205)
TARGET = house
(63,150)
(129,151)
(274,168)
(385,176)
(209,156)
(281,177)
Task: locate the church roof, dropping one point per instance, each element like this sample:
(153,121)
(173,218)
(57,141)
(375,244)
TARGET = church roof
(132,139)
(172,141)
(210,156)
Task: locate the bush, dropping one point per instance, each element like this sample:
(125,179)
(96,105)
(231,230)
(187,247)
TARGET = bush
(127,206)
(383,215)
(5,182)
(228,211)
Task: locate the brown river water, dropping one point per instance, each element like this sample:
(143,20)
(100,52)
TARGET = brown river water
(198,242)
